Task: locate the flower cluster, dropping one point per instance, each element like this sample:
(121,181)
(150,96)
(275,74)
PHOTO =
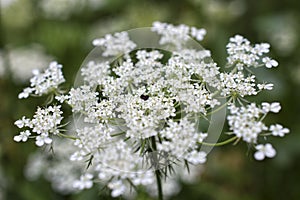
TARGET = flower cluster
(43,83)
(246,121)
(118,43)
(146,110)
(177,35)
(242,53)
(45,123)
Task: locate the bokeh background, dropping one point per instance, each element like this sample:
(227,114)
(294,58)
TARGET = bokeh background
(34,32)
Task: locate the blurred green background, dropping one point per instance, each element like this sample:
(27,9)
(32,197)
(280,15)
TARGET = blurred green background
(36,31)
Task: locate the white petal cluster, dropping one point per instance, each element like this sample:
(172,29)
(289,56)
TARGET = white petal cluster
(279,130)
(43,83)
(273,107)
(270,62)
(85,182)
(44,123)
(116,44)
(177,35)
(241,52)
(82,99)
(236,84)
(246,121)
(263,151)
(186,133)
(95,73)
(90,140)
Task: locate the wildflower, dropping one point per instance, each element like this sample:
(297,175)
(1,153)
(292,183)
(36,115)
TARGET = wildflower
(278,130)
(23,136)
(268,86)
(196,157)
(116,44)
(270,62)
(43,83)
(263,151)
(85,182)
(245,122)
(273,107)
(24,122)
(43,139)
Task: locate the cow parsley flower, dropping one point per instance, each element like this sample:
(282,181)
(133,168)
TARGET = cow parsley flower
(139,110)
(116,44)
(85,182)
(245,122)
(270,62)
(44,123)
(273,107)
(23,136)
(43,139)
(278,130)
(177,35)
(263,151)
(243,54)
(43,83)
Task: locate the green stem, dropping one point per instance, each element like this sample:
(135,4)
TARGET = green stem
(219,143)
(157,172)
(159,185)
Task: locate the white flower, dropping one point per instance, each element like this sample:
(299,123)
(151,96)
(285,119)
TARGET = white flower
(25,93)
(24,122)
(270,62)
(42,83)
(260,49)
(237,84)
(22,137)
(263,151)
(95,73)
(43,139)
(118,188)
(196,157)
(273,107)
(245,122)
(198,33)
(85,182)
(278,130)
(116,44)
(238,39)
(268,86)
(171,34)
(47,120)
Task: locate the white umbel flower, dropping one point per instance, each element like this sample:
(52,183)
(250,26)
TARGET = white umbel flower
(279,130)
(273,107)
(43,83)
(85,182)
(23,136)
(263,151)
(270,62)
